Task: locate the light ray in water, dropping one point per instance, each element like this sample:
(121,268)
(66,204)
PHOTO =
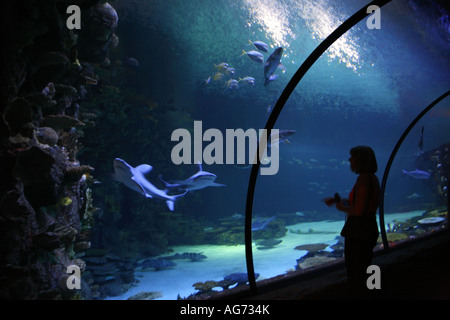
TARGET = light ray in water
(276,18)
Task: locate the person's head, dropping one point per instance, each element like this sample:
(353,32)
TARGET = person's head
(363,160)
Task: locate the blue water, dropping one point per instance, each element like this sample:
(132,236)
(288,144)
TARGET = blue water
(365,89)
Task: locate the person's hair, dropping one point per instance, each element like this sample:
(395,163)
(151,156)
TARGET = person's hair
(366,161)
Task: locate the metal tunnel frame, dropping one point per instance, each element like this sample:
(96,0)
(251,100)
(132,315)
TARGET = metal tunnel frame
(302,70)
(391,159)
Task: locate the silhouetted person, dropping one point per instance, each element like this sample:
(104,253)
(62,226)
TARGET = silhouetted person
(360,230)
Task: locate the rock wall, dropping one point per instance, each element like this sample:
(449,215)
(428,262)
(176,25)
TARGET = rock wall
(46,210)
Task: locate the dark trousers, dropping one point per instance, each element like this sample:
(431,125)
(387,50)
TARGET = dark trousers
(358,256)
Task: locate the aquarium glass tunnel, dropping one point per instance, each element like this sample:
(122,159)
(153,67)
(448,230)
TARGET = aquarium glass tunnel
(343,81)
(189,145)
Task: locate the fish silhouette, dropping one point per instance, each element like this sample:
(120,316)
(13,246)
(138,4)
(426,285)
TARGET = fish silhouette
(134,179)
(200,180)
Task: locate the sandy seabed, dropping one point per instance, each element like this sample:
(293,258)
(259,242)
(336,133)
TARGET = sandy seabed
(223,260)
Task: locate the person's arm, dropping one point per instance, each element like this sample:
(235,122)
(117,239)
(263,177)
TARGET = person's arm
(361,198)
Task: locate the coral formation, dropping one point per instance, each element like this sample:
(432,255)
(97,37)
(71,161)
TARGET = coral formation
(46,206)
(146,295)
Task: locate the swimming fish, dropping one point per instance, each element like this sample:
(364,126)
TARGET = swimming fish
(417,174)
(232,84)
(260,45)
(200,180)
(230,71)
(282,136)
(414,196)
(261,224)
(254,55)
(218,76)
(248,80)
(222,66)
(134,179)
(272,64)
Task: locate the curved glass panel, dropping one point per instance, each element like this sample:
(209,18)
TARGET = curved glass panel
(361,92)
(417,189)
(184,84)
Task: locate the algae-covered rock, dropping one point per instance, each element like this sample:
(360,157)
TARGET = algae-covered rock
(314,261)
(60,122)
(396,236)
(143,295)
(46,135)
(312,247)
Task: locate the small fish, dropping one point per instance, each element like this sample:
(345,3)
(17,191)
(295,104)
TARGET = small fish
(248,80)
(414,196)
(232,84)
(260,45)
(65,201)
(254,55)
(207,81)
(222,66)
(272,64)
(230,71)
(218,76)
(417,174)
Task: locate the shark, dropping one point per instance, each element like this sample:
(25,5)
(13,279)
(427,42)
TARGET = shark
(260,224)
(281,137)
(200,180)
(272,64)
(134,178)
(417,174)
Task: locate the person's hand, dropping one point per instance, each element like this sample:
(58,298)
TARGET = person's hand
(329,201)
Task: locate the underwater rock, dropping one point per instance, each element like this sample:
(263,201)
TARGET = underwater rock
(96,260)
(61,122)
(156,263)
(207,286)
(74,173)
(66,233)
(394,236)
(432,220)
(47,135)
(20,142)
(80,263)
(312,247)
(51,58)
(106,15)
(193,256)
(267,244)
(62,90)
(81,246)
(143,295)
(18,114)
(39,170)
(48,241)
(313,261)
(238,278)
